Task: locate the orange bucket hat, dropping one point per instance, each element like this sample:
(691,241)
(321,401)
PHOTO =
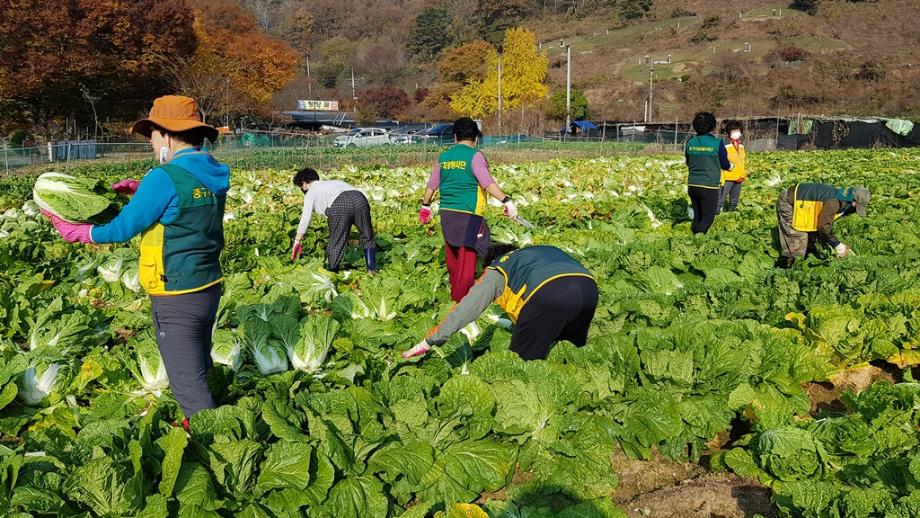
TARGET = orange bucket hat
(174,113)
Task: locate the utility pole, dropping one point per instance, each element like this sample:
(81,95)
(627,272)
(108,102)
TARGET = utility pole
(353,96)
(648,112)
(568,87)
(499,93)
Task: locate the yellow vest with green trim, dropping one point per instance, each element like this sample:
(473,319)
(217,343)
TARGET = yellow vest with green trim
(183,256)
(460,190)
(808,200)
(736,157)
(529,269)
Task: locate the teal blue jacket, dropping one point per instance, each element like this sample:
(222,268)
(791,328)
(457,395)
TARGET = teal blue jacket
(156,199)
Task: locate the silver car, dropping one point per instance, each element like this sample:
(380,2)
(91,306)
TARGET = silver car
(363,137)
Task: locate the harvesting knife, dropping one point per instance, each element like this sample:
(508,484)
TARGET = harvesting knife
(523,222)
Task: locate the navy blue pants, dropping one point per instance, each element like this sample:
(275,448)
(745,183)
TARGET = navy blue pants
(705,203)
(183,326)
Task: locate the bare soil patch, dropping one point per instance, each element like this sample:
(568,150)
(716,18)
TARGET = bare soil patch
(719,495)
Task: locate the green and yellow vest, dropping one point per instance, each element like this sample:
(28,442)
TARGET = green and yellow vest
(703,161)
(460,190)
(808,200)
(183,256)
(529,269)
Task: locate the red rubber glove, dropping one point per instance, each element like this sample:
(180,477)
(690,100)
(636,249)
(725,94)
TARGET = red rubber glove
(740,180)
(296,251)
(126,186)
(424,215)
(71,232)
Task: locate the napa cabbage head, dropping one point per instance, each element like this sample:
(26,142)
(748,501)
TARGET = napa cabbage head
(41,380)
(116,264)
(791,454)
(266,352)
(227,348)
(316,336)
(58,331)
(130,278)
(71,198)
(150,370)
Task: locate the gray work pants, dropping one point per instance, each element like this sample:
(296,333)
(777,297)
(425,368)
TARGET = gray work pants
(183,326)
(730,191)
(792,242)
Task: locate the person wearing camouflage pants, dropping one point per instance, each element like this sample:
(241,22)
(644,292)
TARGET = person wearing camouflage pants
(810,210)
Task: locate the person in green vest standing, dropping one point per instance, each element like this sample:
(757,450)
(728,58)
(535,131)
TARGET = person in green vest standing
(706,158)
(547,294)
(178,210)
(809,210)
(462,176)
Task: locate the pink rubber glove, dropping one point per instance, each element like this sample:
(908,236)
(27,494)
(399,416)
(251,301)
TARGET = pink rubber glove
(126,186)
(424,215)
(71,232)
(419,349)
(296,251)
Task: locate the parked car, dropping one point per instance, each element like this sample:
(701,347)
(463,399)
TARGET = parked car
(442,133)
(363,137)
(404,135)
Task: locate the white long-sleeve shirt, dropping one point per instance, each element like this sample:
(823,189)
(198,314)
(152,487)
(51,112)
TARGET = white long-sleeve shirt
(319,198)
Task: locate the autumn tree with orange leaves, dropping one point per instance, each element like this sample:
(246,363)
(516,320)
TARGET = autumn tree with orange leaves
(88,61)
(236,68)
(56,56)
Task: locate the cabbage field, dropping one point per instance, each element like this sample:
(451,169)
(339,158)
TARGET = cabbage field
(701,351)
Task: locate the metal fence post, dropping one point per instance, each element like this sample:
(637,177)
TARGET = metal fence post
(6,161)
(675,134)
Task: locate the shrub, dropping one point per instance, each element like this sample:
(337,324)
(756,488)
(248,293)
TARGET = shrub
(711,22)
(808,6)
(789,54)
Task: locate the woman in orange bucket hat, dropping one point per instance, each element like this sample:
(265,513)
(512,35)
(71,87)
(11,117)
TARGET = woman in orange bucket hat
(178,209)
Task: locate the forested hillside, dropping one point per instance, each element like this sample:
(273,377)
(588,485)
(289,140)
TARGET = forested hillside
(81,67)
(845,57)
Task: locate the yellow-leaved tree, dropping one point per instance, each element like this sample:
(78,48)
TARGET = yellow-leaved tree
(523,78)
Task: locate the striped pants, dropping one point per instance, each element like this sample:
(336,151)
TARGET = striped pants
(350,208)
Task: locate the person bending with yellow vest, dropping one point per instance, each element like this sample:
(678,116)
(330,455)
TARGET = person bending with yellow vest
(547,294)
(178,209)
(809,210)
(732,180)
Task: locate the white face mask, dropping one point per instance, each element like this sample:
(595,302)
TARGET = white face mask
(164,154)
(735,135)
